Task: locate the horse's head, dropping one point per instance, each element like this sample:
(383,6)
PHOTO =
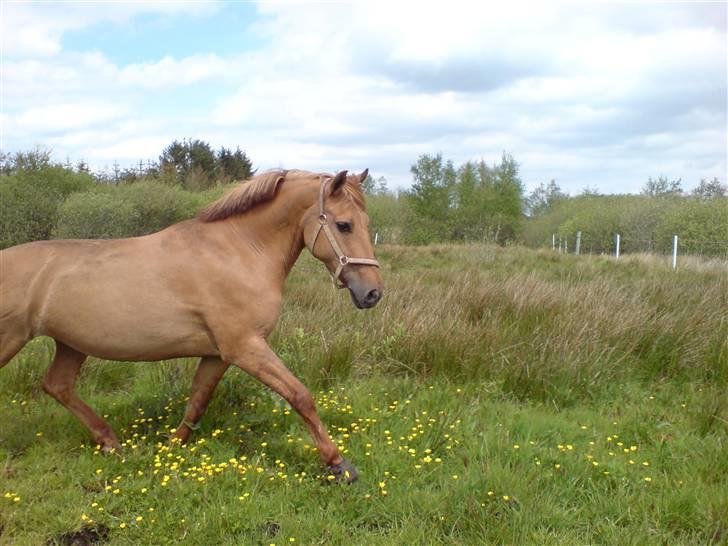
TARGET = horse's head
(336,231)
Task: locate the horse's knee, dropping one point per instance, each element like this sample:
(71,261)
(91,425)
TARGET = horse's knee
(302,401)
(60,391)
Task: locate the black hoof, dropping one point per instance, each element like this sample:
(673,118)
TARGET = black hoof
(343,472)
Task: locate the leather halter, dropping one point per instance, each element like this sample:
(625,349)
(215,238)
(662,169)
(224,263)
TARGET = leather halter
(323,225)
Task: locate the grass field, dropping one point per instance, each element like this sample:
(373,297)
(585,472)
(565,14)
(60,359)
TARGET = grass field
(495,396)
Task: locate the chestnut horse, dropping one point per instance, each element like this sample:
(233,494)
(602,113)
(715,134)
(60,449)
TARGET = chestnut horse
(209,287)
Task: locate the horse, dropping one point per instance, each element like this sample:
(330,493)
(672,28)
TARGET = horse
(210,287)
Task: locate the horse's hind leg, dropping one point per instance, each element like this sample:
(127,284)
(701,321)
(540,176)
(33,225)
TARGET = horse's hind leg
(59,383)
(208,375)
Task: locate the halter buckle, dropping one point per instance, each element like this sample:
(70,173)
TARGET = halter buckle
(343,260)
(323,219)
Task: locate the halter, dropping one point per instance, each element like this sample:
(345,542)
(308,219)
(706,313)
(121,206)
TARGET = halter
(323,224)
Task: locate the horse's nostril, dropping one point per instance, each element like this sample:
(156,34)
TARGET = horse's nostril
(373,295)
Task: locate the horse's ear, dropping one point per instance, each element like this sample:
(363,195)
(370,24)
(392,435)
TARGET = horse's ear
(338,182)
(363,175)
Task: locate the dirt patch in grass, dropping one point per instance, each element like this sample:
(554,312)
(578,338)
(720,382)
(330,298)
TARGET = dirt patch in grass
(86,536)
(271,529)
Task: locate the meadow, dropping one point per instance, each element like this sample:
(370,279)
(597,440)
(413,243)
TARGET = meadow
(495,396)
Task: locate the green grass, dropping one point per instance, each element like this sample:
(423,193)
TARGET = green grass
(497,396)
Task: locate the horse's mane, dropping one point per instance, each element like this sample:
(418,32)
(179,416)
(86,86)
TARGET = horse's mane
(261,189)
(254,191)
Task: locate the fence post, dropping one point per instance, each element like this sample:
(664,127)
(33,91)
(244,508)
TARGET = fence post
(578,243)
(559,244)
(376,238)
(553,241)
(566,245)
(616,251)
(674,251)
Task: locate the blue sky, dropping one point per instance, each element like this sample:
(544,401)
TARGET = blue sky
(590,94)
(224,30)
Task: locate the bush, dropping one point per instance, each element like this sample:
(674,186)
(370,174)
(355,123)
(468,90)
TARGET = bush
(126,211)
(387,216)
(30,199)
(702,226)
(96,215)
(157,205)
(646,224)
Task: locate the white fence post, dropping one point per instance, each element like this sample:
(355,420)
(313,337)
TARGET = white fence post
(578,243)
(376,238)
(616,251)
(674,251)
(566,245)
(553,241)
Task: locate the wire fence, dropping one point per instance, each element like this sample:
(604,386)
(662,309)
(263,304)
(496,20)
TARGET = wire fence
(675,246)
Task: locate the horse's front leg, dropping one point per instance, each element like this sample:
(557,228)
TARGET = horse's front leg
(257,359)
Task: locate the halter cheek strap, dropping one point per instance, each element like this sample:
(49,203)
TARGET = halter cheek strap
(323,225)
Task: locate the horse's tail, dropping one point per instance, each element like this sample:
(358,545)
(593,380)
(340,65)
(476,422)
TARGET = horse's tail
(19,268)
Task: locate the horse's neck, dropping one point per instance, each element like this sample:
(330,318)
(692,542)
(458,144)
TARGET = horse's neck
(275,229)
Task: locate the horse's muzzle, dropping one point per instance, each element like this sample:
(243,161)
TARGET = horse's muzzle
(365,299)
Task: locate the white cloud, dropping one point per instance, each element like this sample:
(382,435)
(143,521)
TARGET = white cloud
(34,29)
(68,116)
(172,72)
(603,94)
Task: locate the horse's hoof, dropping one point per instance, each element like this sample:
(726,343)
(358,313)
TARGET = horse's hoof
(111,448)
(343,472)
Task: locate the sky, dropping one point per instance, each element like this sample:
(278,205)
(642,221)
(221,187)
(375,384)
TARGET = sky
(599,95)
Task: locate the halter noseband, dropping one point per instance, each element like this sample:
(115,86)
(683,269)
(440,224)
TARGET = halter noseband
(323,224)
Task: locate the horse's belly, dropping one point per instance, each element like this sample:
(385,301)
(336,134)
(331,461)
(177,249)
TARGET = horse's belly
(147,340)
(142,324)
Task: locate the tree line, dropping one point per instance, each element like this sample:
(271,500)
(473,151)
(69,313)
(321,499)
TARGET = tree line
(43,199)
(473,201)
(646,222)
(191,164)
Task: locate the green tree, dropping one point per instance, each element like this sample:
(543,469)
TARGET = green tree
(33,160)
(710,190)
(470,210)
(661,187)
(192,161)
(590,191)
(430,199)
(543,198)
(233,166)
(508,205)
(370,186)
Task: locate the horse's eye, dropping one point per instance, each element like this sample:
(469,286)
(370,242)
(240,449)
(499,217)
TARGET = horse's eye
(344,227)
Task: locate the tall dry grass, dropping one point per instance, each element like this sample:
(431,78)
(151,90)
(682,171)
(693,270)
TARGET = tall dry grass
(543,325)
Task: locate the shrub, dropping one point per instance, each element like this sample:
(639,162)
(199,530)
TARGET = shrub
(96,215)
(30,199)
(127,210)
